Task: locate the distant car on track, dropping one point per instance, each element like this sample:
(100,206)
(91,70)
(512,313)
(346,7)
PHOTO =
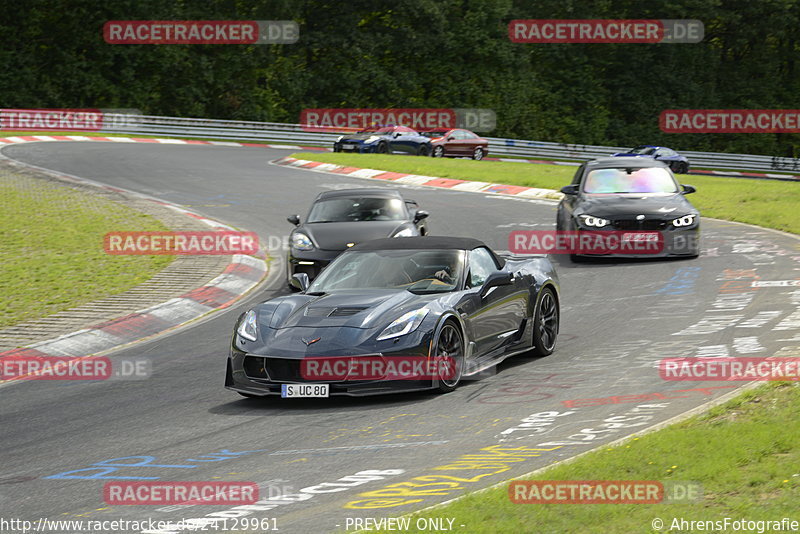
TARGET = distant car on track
(340,219)
(385,140)
(391,300)
(679,164)
(631,195)
(458,143)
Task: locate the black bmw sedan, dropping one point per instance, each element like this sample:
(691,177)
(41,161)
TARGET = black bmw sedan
(340,219)
(631,195)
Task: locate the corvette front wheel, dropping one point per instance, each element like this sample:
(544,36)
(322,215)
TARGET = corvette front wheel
(545,324)
(449,357)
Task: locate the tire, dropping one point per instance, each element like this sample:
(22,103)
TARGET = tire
(450,342)
(477,154)
(424,150)
(383,148)
(545,324)
(438,151)
(683,168)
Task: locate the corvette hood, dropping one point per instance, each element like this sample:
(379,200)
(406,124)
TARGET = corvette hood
(633,204)
(359,137)
(367,308)
(336,235)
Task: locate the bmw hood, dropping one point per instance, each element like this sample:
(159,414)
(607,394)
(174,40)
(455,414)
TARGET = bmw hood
(632,204)
(336,235)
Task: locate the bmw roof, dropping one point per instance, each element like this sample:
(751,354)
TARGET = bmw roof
(624,162)
(365,192)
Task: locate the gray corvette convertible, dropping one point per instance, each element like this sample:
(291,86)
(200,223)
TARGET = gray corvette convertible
(396,315)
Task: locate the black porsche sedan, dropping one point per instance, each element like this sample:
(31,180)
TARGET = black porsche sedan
(384,310)
(340,219)
(631,195)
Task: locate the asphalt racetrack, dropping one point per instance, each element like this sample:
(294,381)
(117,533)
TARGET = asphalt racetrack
(619,319)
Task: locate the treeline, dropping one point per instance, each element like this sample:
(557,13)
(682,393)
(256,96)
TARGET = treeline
(418,53)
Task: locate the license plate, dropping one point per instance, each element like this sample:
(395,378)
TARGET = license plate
(304,390)
(347,146)
(640,237)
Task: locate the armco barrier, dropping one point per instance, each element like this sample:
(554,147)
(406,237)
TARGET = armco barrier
(294,134)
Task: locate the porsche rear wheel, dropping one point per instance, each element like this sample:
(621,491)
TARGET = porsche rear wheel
(424,150)
(545,324)
(383,148)
(449,357)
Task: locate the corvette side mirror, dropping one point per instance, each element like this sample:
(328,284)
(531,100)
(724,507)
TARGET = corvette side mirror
(687,189)
(570,189)
(497,278)
(294,219)
(420,214)
(299,281)
(397,134)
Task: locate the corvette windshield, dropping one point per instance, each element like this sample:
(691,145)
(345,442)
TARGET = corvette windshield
(642,150)
(419,271)
(616,181)
(350,209)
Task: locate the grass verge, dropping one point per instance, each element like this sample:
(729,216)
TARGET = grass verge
(771,204)
(51,248)
(744,454)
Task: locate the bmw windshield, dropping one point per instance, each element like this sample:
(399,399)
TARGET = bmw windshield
(625,180)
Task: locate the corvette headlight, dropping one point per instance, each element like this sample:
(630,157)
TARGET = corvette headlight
(372,139)
(686,220)
(301,241)
(405,232)
(248,328)
(339,139)
(597,222)
(405,324)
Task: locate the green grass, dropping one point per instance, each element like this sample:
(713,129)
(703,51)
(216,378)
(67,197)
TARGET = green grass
(772,204)
(51,248)
(744,453)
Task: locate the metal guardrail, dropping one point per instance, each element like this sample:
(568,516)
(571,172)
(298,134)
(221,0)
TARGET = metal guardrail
(295,134)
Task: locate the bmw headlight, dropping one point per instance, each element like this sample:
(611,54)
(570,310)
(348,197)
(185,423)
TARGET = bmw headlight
(686,220)
(372,139)
(597,222)
(405,324)
(405,232)
(248,328)
(301,241)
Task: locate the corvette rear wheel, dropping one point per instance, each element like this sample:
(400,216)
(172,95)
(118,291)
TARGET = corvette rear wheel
(424,150)
(449,357)
(383,148)
(438,152)
(545,325)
